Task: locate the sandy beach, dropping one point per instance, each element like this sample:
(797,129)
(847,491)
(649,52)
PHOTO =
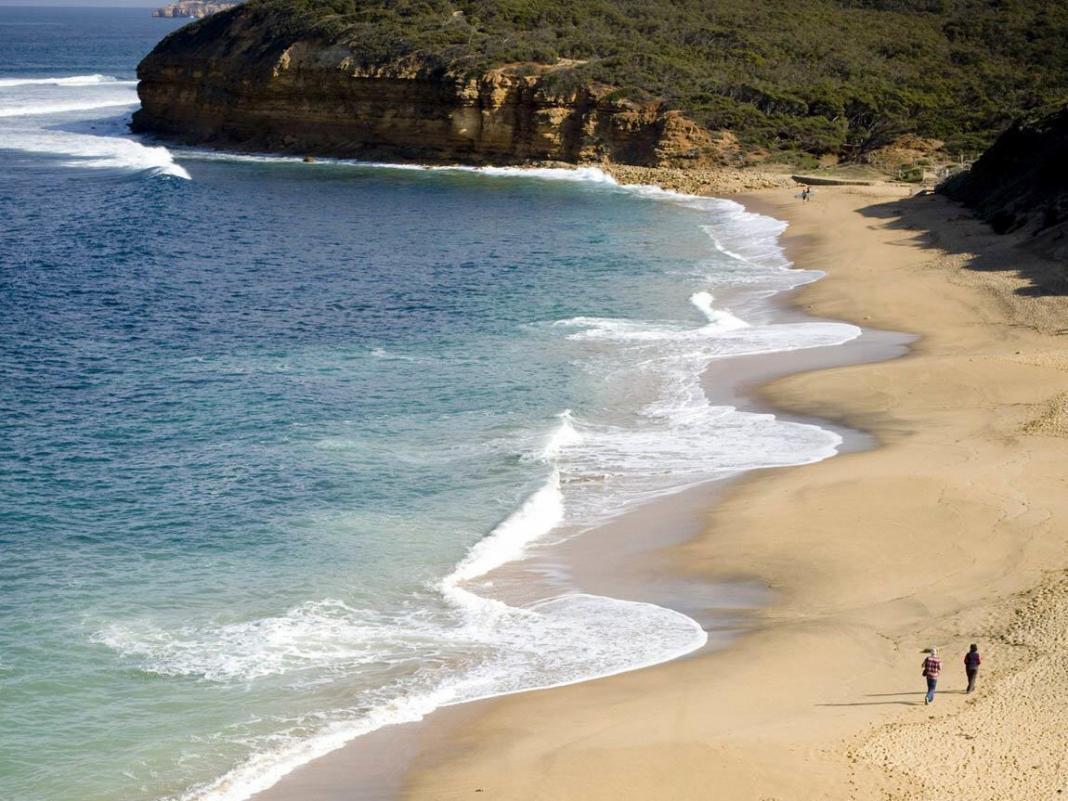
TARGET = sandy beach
(415,415)
(951,531)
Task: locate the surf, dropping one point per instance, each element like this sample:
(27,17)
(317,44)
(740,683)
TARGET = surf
(39,114)
(364,616)
(70,80)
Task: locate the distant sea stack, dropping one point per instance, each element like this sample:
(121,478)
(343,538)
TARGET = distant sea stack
(686,83)
(194,9)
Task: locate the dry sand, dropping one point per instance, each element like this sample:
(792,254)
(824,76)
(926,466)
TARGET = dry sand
(954,530)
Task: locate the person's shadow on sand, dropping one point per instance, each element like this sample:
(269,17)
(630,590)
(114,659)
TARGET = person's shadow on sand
(900,702)
(879,703)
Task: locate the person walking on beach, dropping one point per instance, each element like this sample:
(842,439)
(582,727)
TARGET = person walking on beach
(932,667)
(806,193)
(972,660)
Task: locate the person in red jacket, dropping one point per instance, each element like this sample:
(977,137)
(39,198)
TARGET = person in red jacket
(932,668)
(972,660)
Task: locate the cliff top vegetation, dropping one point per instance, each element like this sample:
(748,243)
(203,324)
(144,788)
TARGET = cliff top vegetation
(1022,180)
(790,76)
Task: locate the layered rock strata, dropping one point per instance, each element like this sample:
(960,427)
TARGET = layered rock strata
(235,80)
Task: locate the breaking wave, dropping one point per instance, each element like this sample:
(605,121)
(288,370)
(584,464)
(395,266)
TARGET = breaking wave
(499,649)
(35,111)
(594,466)
(70,80)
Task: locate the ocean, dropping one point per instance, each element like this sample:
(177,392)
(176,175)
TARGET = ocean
(268,427)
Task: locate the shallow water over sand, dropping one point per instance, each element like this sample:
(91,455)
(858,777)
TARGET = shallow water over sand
(268,425)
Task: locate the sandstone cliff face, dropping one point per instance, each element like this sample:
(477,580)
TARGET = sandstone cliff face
(234,81)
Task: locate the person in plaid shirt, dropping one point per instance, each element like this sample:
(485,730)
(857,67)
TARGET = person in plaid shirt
(932,667)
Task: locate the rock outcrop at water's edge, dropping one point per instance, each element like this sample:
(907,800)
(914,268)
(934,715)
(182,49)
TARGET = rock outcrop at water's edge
(235,81)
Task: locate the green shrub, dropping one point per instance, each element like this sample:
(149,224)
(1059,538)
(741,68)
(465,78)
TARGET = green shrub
(822,76)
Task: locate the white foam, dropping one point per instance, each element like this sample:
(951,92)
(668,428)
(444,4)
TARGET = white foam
(536,517)
(557,642)
(45,109)
(318,634)
(95,152)
(71,80)
(561,437)
(678,438)
(594,175)
(382,353)
(33,108)
(720,318)
(595,467)
(265,768)
(591,175)
(324,161)
(571,638)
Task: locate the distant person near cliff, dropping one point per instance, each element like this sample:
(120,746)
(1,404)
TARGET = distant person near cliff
(972,660)
(932,667)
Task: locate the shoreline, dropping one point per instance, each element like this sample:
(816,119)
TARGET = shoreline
(847,626)
(613,559)
(691,550)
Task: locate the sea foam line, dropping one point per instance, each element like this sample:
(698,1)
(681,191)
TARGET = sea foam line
(70,80)
(96,152)
(534,518)
(537,516)
(264,769)
(60,108)
(71,94)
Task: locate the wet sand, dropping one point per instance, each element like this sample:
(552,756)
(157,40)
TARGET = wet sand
(953,530)
(628,557)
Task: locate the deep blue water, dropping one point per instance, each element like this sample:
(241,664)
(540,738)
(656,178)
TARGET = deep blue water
(254,413)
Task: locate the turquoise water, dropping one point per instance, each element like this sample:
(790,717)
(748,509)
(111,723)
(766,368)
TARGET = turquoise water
(266,427)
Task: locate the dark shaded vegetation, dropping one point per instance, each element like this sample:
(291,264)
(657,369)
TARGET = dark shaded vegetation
(1022,180)
(793,76)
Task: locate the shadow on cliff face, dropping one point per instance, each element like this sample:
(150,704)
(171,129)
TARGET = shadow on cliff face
(1039,259)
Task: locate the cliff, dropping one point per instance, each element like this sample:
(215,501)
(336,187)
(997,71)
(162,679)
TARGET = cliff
(236,82)
(1021,183)
(629,81)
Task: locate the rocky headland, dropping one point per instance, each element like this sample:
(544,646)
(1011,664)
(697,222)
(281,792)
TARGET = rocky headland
(686,85)
(238,81)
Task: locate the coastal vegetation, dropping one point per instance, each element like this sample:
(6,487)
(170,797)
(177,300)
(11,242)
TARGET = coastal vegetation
(1021,183)
(788,77)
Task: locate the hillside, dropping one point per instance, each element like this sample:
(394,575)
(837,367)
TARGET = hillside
(787,77)
(1021,183)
